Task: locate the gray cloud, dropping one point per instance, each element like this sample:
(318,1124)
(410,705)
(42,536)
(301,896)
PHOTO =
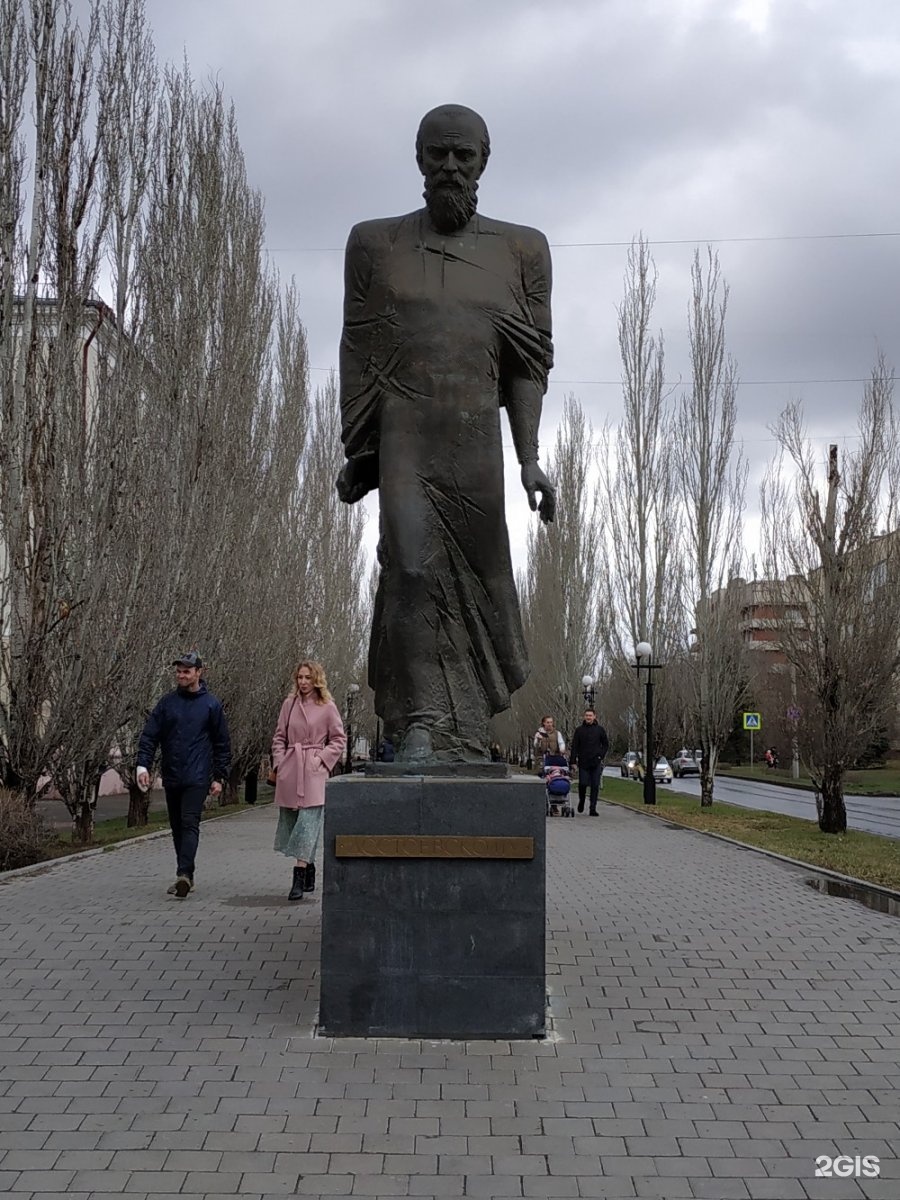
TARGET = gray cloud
(685,119)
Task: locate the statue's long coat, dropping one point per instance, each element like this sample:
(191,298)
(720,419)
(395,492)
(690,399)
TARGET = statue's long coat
(435,328)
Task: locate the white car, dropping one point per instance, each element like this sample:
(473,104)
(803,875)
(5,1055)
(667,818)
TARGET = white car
(686,763)
(662,772)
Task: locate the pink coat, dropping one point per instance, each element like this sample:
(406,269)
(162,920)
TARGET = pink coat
(309,739)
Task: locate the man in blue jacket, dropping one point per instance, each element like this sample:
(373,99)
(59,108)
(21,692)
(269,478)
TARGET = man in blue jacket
(189,725)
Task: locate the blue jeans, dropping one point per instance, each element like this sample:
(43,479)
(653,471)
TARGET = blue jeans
(589,777)
(185,804)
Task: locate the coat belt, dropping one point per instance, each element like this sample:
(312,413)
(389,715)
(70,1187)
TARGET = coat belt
(301,749)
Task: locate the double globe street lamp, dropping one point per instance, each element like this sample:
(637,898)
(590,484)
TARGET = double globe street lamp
(587,688)
(643,655)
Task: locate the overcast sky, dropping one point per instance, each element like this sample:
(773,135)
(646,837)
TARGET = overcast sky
(731,121)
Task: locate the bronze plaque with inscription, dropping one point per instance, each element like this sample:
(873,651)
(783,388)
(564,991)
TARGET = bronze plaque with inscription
(420,846)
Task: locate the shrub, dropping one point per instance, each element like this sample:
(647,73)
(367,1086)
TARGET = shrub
(24,838)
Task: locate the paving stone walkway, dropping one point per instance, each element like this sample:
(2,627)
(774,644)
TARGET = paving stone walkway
(717,1025)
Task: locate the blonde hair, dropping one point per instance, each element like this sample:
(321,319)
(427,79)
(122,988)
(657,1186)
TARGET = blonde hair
(319,682)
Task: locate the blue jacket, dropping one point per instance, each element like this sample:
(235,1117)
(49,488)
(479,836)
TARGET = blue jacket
(193,733)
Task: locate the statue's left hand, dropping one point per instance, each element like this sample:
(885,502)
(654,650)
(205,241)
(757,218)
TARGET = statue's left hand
(533,481)
(358,477)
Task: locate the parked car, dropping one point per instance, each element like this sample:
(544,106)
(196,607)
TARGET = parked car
(686,762)
(662,771)
(630,765)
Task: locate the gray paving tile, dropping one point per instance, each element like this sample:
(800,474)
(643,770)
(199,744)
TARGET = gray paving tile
(324,1185)
(717,1024)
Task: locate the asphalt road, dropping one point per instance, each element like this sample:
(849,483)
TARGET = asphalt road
(874,814)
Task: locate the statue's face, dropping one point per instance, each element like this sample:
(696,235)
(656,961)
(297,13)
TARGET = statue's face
(451,159)
(451,153)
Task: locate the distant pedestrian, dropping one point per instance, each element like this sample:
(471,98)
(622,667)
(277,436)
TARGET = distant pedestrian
(189,726)
(386,751)
(590,745)
(309,740)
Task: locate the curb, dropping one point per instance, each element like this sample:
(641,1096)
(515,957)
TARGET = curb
(825,872)
(49,864)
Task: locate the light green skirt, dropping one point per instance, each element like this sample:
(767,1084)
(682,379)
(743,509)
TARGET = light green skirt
(298,831)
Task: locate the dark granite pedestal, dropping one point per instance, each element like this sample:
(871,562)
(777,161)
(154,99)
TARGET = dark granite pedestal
(445,946)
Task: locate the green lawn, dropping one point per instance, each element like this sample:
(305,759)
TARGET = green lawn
(877,781)
(862,855)
(107,834)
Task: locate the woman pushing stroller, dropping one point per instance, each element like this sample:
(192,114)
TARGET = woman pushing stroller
(550,752)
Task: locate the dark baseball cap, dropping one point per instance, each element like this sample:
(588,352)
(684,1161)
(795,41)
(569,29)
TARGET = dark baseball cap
(191,659)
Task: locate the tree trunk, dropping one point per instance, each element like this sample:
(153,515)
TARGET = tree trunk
(833,811)
(83,823)
(707,780)
(231,792)
(13,781)
(138,806)
(83,805)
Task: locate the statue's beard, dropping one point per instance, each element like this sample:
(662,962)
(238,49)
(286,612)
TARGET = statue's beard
(451,206)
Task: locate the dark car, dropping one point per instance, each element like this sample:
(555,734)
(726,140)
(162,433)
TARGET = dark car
(629,765)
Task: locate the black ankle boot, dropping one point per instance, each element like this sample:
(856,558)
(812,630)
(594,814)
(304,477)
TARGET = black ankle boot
(296,892)
(309,883)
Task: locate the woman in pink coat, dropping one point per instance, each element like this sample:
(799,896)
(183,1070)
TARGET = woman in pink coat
(309,739)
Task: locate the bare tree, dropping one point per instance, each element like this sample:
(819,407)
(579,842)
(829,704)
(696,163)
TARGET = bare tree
(641,573)
(152,457)
(13,97)
(712,478)
(838,552)
(338,611)
(560,589)
(228,375)
(55,516)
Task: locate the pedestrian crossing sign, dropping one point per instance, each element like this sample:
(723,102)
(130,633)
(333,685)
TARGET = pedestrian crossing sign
(752,721)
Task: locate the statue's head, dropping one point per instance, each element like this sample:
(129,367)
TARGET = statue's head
(452,149)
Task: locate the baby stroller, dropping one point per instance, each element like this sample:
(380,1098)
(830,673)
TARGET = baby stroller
(558,785)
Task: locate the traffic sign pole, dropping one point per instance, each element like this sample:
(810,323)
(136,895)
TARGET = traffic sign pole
(752,724)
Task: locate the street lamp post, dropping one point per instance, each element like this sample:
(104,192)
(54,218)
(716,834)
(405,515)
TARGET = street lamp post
(587,686)
(351,693)
(643,656)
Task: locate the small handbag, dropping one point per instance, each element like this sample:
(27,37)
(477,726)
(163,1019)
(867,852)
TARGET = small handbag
(272,776)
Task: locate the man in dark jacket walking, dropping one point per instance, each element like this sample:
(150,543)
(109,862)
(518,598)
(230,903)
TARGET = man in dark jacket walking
(189,725)
(589,748)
